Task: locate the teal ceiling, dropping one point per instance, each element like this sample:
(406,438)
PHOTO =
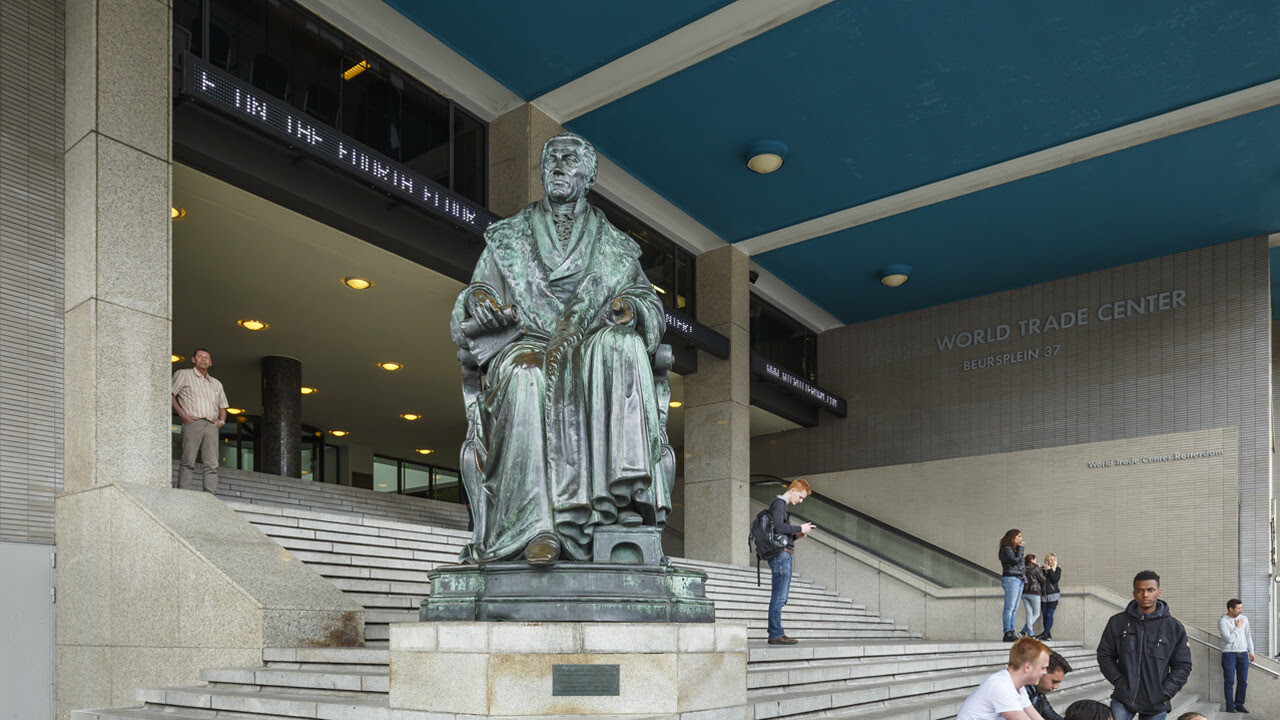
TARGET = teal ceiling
(877,98)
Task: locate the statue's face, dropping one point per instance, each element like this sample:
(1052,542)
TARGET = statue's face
(566,176)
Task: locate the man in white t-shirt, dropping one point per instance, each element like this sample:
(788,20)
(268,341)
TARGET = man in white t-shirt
(1004,694)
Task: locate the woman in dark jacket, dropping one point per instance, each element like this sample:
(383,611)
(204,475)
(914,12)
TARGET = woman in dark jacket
(1032,592)
(1052,576)
(1012,568)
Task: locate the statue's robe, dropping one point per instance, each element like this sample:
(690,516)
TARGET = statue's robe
(562,442)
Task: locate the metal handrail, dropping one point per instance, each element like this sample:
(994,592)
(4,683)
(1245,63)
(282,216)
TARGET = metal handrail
(774,479)
(1211,646)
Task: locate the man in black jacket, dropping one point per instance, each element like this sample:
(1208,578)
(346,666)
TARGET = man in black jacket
(1039,693)
(780,565)
(1144,654)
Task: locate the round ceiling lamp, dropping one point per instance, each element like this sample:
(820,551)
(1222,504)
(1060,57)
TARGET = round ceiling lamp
(356,283)
(424,451)
(390,366)
(309,391)
(895,275)
(235,411)
(177,213)
(175,357)
(675,404)
(254,325)
(339,433)
(410,416)
(766,156)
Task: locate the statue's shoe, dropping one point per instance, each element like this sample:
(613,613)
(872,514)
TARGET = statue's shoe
(543,549)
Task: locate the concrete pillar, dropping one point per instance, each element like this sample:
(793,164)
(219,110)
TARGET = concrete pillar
(515,154)
(118,304)
(281,437)
(717,426)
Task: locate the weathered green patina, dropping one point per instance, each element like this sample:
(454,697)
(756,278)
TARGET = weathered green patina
(564,378)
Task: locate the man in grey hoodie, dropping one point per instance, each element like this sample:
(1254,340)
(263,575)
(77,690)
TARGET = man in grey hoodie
(1144,654)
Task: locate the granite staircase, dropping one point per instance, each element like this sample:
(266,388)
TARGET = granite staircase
(851,663)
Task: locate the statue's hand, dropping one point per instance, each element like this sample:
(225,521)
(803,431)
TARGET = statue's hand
(622,312)
(484,308)
(560,345)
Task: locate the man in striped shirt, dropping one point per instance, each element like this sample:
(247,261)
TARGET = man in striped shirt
(199,400)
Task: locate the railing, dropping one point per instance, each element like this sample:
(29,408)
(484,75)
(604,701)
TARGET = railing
(886,542)
(1211,646)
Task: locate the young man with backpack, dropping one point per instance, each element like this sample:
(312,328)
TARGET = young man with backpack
(774,544)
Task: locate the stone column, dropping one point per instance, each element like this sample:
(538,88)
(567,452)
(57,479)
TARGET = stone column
(281,438)
(515,155)
(717,430)
(118,262)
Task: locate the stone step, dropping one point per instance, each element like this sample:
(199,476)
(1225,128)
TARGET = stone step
(381,522)
(310,703)
(762,683)
(989,656)
(372,680)
(760,652)
(854,699)
(354,656)
(946,705)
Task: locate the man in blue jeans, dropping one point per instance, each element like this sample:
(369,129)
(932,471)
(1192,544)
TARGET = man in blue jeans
(780,565)
(1237,653)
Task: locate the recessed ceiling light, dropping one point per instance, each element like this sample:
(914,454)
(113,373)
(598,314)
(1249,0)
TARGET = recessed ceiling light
(176,358)
(676,404)
(177,213)
(424,451)
(410,416)
(766,156)
(235,411)
(356,283)
(252,324)
(309,391)
(390,366)
(338,433)
(895,275)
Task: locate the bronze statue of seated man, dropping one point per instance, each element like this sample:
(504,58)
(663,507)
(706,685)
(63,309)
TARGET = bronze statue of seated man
(558,333)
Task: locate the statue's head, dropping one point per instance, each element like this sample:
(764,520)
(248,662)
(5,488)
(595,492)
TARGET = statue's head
(568,168)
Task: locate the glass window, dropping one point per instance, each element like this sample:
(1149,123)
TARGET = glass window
(448,486)
(417,479)
(782,339)
(330,464)
(386,474)
(284,50)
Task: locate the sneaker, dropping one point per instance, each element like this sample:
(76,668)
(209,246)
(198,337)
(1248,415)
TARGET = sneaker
(1241,709)
(1228,709)
(783,640)
(1010,636)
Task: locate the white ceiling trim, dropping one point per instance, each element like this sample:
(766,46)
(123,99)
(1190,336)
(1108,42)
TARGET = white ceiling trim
(691,44)
(385,31)
(1191,117)
(624,190)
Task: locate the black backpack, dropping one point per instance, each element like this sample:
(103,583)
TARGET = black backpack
(764,541)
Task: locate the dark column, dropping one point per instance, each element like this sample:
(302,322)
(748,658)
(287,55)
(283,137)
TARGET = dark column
(281,436)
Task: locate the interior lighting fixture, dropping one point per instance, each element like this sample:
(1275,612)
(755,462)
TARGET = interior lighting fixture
(252,324)
(177,213)
(390,366)
(424,451)
(660,290)
(356,283)
(895,275)
(355,70)
(410,416)
(235,411)
(766,156)
(675,404)
(174,357)
(338,433)
(308,391)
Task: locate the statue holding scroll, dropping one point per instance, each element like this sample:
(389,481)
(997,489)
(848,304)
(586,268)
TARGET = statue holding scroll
(564,378)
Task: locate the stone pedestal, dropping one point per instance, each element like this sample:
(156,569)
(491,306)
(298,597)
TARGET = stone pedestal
(568,592)
(539,670)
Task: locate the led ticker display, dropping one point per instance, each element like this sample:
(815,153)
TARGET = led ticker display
(797,385)
(697,333)
(251,106)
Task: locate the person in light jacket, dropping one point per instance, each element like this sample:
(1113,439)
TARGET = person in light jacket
(1052,594)
(1237,653)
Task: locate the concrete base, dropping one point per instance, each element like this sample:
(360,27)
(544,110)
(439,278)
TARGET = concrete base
(568,592)
(476,669)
